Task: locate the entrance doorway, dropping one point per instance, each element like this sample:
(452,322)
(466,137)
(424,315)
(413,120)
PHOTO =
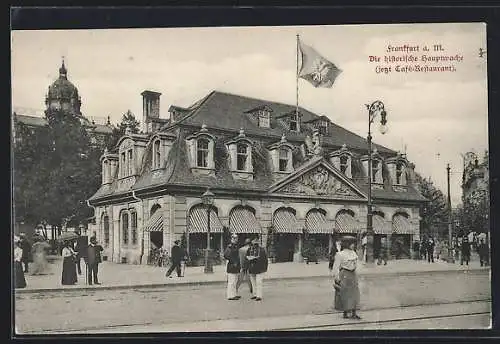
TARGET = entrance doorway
(285,247)
(156,239)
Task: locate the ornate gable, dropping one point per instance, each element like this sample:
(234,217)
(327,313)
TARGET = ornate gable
(320,179)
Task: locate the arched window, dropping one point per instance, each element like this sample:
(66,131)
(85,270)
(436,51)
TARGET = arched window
(344,160)
(125,227)
(154,208)
(284,159)
(105,224)
(202,152)
(123,162)
(157,154)
(241,157)
(133,227)
(130,163)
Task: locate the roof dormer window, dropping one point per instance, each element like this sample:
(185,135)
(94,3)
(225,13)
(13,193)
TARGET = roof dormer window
(323,127)
(264,118)
(295,122)
(201,147)
(342,159)
(281,156)
(284,159)
(157,154)
(240,157)
(202,152)
(399,172)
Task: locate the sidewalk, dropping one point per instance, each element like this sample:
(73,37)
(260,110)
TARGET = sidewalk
(120,276)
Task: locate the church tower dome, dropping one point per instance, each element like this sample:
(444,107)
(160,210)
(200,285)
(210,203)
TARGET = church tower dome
(63,95)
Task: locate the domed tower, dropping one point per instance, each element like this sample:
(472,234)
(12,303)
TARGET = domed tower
(63,95)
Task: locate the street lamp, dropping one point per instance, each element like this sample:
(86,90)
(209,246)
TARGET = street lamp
(208,200)
(375,108)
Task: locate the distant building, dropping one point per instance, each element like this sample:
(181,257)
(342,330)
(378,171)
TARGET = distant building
(62,94)
(276,173)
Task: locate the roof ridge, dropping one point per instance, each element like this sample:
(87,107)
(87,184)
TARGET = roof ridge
(264,100)
(192,113)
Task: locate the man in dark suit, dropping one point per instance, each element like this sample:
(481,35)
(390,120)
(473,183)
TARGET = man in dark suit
(176,256)
(257,267)
(93,259)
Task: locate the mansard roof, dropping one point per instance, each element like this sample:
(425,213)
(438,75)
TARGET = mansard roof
(224,115)
(225,111)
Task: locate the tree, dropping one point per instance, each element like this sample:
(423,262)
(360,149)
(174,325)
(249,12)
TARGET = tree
(435,212)
(30,151)
(128,120)
(56,170)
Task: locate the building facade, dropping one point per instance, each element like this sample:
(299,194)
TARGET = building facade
(475,193)
(277,174)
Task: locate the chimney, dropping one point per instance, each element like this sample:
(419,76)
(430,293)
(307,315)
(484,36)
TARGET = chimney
(150,109)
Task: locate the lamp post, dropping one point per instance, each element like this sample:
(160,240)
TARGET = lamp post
(208,200)
(375,108)
(450,259)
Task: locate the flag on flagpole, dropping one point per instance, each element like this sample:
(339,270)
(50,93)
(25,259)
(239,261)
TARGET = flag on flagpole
(316,69)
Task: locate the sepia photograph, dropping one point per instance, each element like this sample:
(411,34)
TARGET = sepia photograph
(252,178)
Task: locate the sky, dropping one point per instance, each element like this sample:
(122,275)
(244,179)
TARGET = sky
(437,116)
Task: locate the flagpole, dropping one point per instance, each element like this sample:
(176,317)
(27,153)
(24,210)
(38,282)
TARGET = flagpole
(297,80)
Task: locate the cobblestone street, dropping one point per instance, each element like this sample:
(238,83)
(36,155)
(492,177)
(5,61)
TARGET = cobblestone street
(93,310)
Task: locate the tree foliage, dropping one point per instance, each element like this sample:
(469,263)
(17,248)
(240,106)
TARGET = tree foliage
(128,120)
(56,169)
(434,213)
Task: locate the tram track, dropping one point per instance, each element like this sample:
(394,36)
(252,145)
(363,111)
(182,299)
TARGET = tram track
(318,327)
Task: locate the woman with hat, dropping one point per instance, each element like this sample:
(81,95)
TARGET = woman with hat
(345,279)
(69,268)
(18,266)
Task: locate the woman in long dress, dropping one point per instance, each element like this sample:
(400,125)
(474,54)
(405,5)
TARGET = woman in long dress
(345,279)
(19,271)
(69,267)
(39,257)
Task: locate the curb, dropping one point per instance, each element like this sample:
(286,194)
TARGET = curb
(365,274)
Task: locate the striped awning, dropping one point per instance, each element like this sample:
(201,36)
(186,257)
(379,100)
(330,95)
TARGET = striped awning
(242,220)
(198,221)
(284,221)
(345,223)
(317,223)
(155,223)
(401,225)
(379,225)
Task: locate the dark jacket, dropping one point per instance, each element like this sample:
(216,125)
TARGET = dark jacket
(233,259)
(177,254)
(482,249)
(26,247)
(93,254)
(258,265)
(465,248)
